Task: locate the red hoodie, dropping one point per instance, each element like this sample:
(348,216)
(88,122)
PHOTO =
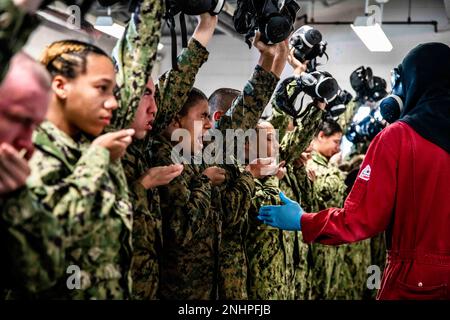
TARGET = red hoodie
(403,188)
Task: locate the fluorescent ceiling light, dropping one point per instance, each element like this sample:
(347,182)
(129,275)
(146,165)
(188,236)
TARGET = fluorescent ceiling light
(106,25)
(371,34)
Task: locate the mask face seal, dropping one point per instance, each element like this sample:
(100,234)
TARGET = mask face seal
(273,18)
(391,107)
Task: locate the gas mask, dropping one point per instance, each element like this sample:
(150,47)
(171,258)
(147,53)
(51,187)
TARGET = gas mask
(338,106)
(392,106)
(273,18)
(319,85)
(307,43)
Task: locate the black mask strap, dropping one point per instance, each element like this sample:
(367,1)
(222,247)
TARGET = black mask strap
(184,41)
(171,24)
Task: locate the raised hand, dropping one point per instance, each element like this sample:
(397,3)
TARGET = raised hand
(299,68)
(281,172)
(216,175)
(262,167)
(14,170)
(205,28)
(161,176)
(116,142)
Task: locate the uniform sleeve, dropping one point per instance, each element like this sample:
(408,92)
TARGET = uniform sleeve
(174,86)
(346,118)
(235,202)
(298,140)
(280,98)
(188,200)
(267,192)
(250,104)
(330,187)
(134,56)
(31,244)
(368,208)
(15,28)
(39,221)
(279,120)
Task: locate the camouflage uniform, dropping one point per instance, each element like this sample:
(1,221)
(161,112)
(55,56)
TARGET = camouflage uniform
(233,200)
(292,144)
(81,199)
(236,193)
(15,28)
(340,272)
(191,231)
(134,56)
(345,119)
(171,94)
(270,271)
(295,185)
(269,250)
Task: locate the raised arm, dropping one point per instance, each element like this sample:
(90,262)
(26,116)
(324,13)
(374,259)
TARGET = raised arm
(134,56)
(250,104)
(174,86)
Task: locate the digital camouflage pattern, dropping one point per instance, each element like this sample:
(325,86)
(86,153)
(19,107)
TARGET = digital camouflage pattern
(81,199)
(235,200)
(340,272)
(171,93)
(270,271)
(345,119)
(236,193)
(134,56)
(15,29)
(191,231)
(293,143)
(297,185)
(247,108)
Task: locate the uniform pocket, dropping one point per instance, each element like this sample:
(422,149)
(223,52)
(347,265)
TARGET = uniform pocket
(404,291)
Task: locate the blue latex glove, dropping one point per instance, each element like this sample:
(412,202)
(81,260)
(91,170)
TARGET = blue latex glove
(285,217)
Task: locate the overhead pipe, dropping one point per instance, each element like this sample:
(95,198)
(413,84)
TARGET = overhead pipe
(304,17)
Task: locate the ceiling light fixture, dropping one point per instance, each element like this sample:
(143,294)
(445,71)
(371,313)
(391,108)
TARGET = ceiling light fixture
(107,25)
(368,29)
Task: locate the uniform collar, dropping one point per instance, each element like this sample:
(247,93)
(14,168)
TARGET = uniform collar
(319,159)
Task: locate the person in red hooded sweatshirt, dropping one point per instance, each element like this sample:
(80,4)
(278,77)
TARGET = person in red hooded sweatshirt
(403,187)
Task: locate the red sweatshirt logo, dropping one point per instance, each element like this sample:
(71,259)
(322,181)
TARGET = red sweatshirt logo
(365,174)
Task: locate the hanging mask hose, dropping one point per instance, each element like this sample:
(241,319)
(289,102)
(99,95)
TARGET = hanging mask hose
(191,8)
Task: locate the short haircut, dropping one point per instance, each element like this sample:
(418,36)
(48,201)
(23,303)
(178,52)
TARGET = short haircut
(23,61)
(194,96)
(221,99)
(329,127)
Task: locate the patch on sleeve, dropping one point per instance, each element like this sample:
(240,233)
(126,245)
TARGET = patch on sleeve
(365,174)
